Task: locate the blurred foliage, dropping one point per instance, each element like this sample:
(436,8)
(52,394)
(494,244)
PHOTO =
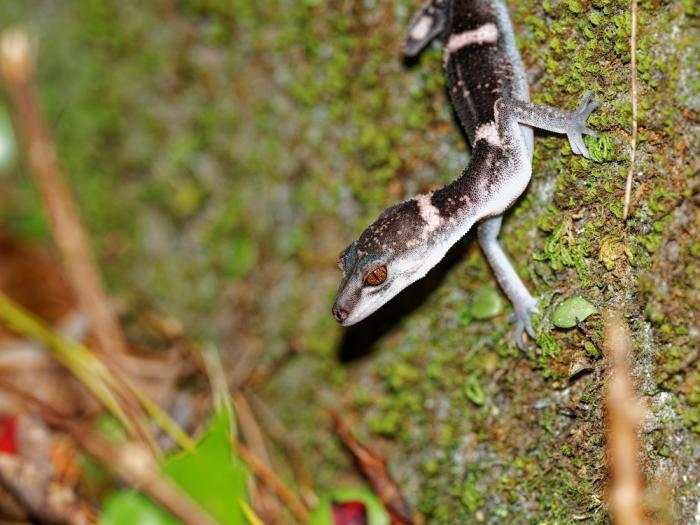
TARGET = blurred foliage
(225,151)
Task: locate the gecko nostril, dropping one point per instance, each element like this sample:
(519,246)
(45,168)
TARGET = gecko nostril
(340,314)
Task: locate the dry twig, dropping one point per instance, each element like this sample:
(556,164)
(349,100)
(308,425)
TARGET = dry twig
(30,475)
(280,436)
(265,502)
(624,416)
(136,466)
(17,72)
(271,480)
(633,65)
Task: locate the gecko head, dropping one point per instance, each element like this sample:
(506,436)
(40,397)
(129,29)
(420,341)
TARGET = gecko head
(391,253)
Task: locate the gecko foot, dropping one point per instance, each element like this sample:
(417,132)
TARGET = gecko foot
(578,125)
(523,321)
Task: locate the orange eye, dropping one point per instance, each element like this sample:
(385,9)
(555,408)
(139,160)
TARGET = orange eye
(376,276)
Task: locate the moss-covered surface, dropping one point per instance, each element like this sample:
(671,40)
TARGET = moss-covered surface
(224,152)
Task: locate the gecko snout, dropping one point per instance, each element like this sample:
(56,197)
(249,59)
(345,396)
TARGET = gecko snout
(340,314)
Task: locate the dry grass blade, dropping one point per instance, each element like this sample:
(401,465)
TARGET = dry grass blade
(217,380)
(161,417)
(624,416)
(264,502)
(280,436)
(75,357)
(249,428)
(250,514)
(271,480)
(88,369)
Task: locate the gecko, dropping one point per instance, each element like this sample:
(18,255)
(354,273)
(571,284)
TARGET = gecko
(488,88)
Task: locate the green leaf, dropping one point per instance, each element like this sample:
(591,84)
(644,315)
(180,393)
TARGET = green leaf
(376,513)
(130,507)
(212,474)
(473,390)
(572,311)
(486,304)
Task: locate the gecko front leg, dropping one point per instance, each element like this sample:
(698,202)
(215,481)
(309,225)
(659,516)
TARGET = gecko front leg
(523,302)
(571,123)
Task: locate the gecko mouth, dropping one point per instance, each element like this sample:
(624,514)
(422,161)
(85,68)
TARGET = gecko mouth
(340,314)
(346,318)
(354,319)
(350,317)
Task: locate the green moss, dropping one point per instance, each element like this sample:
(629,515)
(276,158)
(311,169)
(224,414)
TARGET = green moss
(471,495)
(562,250)
(601,148)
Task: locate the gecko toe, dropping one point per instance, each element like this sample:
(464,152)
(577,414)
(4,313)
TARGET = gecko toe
(523,322)
(582,148)
(590,108)
(586,107)
(586,98)
(523,326)
(586,102)
(574,146)
(519,341)
(578,146)
(529,329)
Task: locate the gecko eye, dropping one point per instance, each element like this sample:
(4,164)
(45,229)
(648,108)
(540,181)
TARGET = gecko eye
(376,276)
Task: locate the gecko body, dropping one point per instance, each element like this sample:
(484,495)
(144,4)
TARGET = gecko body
(487,85)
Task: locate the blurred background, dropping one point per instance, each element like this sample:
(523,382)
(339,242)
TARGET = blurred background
(223,152)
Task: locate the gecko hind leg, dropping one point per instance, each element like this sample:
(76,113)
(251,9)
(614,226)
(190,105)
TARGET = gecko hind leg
(524,304)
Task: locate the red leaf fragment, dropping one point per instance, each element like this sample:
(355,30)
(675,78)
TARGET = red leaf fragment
(349,513)
(8,435)
(374,468)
